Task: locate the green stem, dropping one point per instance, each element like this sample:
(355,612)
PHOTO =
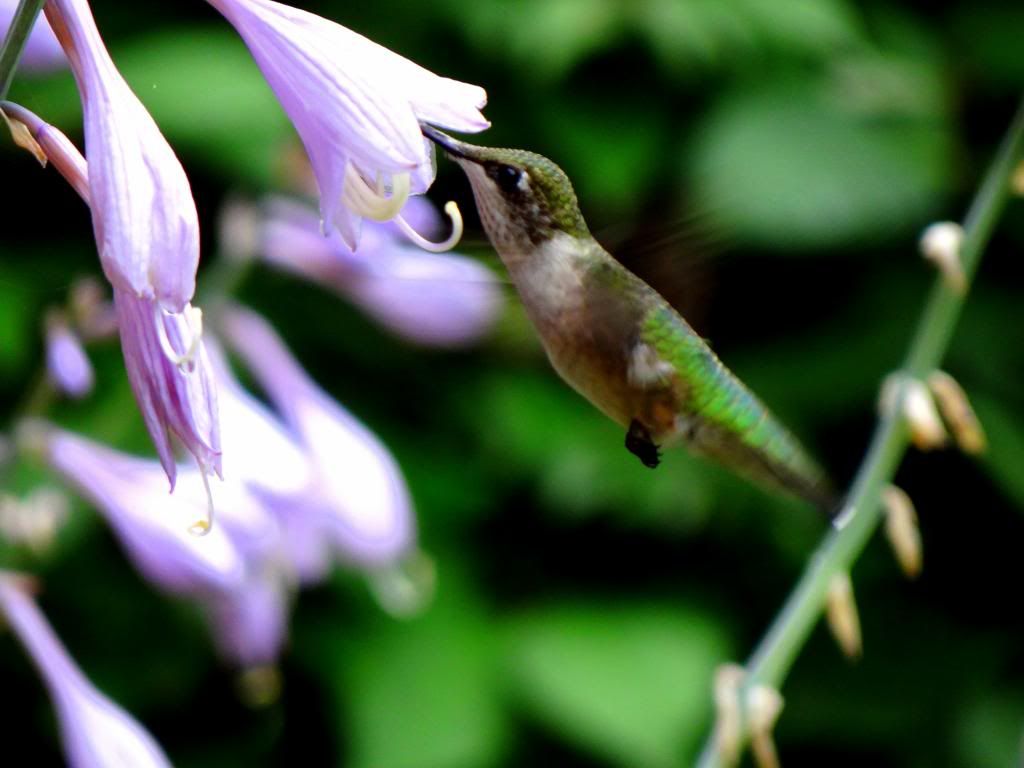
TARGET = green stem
(21,25)
(778,650)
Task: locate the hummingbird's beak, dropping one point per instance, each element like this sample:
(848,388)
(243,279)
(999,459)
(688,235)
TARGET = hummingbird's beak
(453,147)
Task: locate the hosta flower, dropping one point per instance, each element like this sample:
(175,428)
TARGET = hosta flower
(67,364)
(42,52)
(163,350)
(355,105)
(369,512)
(439,299)
(143,214)
(151,525)
(96,732)
(269,460)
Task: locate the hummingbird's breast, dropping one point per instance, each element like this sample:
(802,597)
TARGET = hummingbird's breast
(587,309)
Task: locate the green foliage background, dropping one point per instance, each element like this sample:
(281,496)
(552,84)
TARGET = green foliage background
(768,165)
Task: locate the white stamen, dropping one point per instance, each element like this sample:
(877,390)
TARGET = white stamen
(450,208)
(203,527)
(371,203)
(193,317)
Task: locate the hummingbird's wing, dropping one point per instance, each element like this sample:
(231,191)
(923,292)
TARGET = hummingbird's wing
(722,419)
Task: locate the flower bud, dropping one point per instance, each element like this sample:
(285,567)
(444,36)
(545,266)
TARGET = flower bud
(901,529)
(841,614)
(957,412)
(940,243)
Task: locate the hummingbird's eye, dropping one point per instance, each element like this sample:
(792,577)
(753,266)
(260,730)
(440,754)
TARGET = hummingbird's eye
(507,177)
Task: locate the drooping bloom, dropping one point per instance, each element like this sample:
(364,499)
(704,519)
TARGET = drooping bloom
(67,364)
(238,572)
(42,52)
(429,298)
(369,516)
(275,469)
(143,214)
(151,525)
(96,732)
(163,350)
(355,105)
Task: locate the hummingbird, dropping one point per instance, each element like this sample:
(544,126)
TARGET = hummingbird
(616,340)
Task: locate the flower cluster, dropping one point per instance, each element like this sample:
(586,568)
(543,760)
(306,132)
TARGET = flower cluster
(304,486)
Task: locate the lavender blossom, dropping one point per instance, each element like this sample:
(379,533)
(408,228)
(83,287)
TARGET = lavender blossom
(67,364)
(144,217)
(435,299)
(268,459)
(356,106)
(370,513)
(163,351)
(96,732)
(151,525)
(42,52)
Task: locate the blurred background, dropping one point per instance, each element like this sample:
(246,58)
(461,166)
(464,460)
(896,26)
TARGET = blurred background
(768,166)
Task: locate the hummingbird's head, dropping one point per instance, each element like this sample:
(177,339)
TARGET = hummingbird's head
(523,198)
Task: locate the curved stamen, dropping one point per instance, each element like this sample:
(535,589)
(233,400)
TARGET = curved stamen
(203,527)
(372,204)
(193,317)
(452,209)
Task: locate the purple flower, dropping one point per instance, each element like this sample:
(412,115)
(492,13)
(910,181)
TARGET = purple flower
(437,299)
(171,378)
(370,517)
(152,526)
(67,364)
(163,350)
(96,732)
(356,106)
(42,51)
(268,459)
(143,214)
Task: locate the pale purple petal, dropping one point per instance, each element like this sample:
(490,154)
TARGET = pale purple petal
(42,52)
(144,217)
(250,626)
(437,299)
(152,525)
(371,518)
(96,732)
(172,398)
(67,364)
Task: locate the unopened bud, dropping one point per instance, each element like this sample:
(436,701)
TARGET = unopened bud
(728,736)
(901,529)
(940,243)
(764,704)
(67,363)
(957,411)
(841,613)
(405,589)
(917,407)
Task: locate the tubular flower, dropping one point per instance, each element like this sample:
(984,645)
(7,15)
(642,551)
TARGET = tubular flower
(356,106)
(428,298)
(269,460)
(163,350)
(95,731)
(151,526)
(369,512)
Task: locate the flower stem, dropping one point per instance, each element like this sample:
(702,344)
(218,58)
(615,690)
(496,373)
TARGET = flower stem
(779,648)
(21,25)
